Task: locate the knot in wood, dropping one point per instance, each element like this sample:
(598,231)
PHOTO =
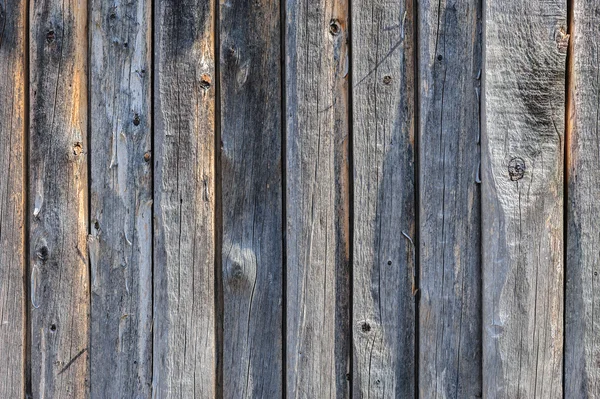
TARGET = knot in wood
(205,81)
(516,169)
(387,79)
(42,253)
(334,27)
(136,120)
(50,36)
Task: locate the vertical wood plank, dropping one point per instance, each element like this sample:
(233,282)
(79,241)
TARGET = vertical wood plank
(58,199)
(384,198)
(251,198)
(522,198)
(317,199)
(449,237)
(184,252)
(582,346)
(121,200)
(13,115)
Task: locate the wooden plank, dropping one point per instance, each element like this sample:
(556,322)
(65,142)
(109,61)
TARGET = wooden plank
(449,232)
(522,198)
(13,88)
(58,199)
(184,252)
(317,199)
(251,198)
(121,200)
(384,198)
(582,352)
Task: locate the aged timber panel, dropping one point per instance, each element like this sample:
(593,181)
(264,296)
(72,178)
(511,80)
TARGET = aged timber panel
(383,318)
(58,199)
(13,115)
(450,254)
(317,199)
(522,198)
(121,200)
(184,180)
(250,52)
(582,342)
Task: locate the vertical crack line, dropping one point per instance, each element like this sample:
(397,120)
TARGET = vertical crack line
(28,389)
(151,70)
(350,172)
(218,214)
(417,193)
(88,147)
(566,164)
(283,94)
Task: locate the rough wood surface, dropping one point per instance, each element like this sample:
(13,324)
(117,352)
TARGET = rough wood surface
(58,199)
(582,343)
(120,243)
(449,231)
(251,198)
(317,199)
(13,75)
(384,199)
(184,253)
(522,198)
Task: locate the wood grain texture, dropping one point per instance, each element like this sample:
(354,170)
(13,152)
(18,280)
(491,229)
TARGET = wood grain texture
(251,198)
(13,322)
(58,199)
(121,200)
(184,195)
(384,199)
(522,198)
(449,231)
(582,344)
(317,199)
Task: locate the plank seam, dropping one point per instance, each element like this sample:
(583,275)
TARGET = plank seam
(28,388)
(350,171)
(283,96)
(417,194)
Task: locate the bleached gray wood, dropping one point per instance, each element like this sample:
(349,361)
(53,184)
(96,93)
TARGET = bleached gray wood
(383,321)
(582,352)
(184,356)
(251,179)
(317,199)
(522,198)
(121,200)
(58,199)
(449,232)
(13,116)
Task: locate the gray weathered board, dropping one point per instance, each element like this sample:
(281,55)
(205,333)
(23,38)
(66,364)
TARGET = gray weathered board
(306,198)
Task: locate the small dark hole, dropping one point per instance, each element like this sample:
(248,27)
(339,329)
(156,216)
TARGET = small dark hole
(389,262)
(50,36)
(440,58)
(366,327)
(53,327)
(97,225)
(334,27)
(42,253)
(387,79)
(205,81)
(136,120)
(125,44)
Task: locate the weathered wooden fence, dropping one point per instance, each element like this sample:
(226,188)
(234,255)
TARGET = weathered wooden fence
(302,199)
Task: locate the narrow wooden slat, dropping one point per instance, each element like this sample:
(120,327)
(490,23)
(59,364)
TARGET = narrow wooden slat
(12,197)
(121,200)
(317,199)
(522,198)
(450,242)
(251,198)
(184,252)
(582,343)
(384,194)
(58,199)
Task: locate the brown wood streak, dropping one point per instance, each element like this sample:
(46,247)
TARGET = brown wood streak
(58,199)
(184,176)
(121,199)
(522,198)
(12,197)
(250,101)
(383,319)
(449,231)
(317,199)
